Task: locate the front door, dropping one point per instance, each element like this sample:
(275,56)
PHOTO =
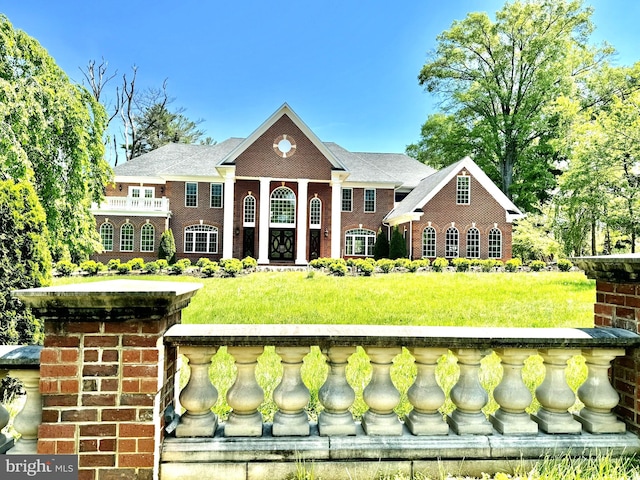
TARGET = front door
(248,242)
(282,244)
(314,244)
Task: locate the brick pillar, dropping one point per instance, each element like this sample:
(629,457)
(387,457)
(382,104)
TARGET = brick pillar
(106,375)
(618,306)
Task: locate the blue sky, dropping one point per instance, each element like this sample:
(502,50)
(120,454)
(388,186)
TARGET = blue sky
(348,68)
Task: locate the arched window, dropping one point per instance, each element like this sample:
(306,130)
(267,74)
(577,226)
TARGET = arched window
(201,239)
(315,213)
(126,238)
(283,207)
(359,242)
(147,238)
(106,236)
(249,211)
(452,243)
(473,243)
(495,243)
(429,242)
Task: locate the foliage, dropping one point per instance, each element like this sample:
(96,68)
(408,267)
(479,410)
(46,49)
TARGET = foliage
(92,267)
(180,266)
(338,269)
(51,136)
(381,247)
(249,263)
(113,264)
(167,249)
(124,268)
(65,268)
(513,265)
(532,240)
(162,263)
(461,264)
(488,264)
(537,265)
(402,263)
(398,245)
(416,265)
(365,267)
(439,264)
(25,261)
(385,265)
(500,81)
(136,263)
(210,269)
(564,265)
(151,268)
(231,266)
(203,261)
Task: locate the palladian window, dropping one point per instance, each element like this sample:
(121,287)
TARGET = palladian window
(283,207)
(201,239)
(359,242)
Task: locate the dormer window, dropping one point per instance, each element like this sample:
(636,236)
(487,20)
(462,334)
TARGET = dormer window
(463,189)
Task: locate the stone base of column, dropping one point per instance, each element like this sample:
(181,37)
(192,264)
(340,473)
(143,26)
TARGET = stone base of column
(469,423)
(336,424)
(375,424)
(243,425)
(24,447)
(594,422)
(197,425)
(551,422)
(426,423)
(513,423)
(290,424)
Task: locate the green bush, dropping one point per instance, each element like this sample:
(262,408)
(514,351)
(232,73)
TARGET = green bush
(317,263)
(461,264)
(439,264)
(476,262)
(338,268)
(185,262)
(364,267)
(203,262)
(113,264)
(403,263)
(513,265)
(91,267)
(385,265)
(564,265)
(167,249)
(162,264)
(397,245)
(65,268)
(537,265)
(249,263)
(124,268)
(231,266)
(177,268)
(488,264)
(381,247)
(210,269)
(136,263)
(151,268)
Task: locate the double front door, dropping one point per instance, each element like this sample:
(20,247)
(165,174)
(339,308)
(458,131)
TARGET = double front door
(282,244)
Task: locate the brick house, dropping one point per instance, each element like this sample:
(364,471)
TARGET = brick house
(283,196)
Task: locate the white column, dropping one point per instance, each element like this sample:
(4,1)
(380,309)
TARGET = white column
(336,217)
(229,195)
(381,394)
(303,222)
(26,423)
(263,219)
(336,395)
(291,395)
(245,396)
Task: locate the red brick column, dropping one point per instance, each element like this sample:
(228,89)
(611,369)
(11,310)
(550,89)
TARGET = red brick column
(106,375)
(618,306)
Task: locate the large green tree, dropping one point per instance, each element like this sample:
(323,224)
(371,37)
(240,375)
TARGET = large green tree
(499,82)
(51,135)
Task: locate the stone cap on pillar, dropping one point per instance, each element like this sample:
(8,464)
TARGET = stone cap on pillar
(19,356)
(611,268)
(110,300)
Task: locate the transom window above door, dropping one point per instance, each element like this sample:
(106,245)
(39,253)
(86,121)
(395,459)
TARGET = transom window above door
(283,207)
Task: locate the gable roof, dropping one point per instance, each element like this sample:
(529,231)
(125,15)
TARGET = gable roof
(431,185)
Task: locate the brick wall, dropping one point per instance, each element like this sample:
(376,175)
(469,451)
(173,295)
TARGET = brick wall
(137,222)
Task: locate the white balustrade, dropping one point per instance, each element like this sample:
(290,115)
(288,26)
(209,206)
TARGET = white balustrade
(291,395)
(5,442)
(336,395)
(26,423)
(381,395)
(133,204)
(245,396)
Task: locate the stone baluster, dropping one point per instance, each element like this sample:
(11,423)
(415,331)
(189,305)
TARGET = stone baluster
(26,423)
(245,396)
(425,395)
(5,443)
(512,395)
(555,395)
(336,395)
(381,395)
(291,395)
(468,395)
(597,393)
(198,396)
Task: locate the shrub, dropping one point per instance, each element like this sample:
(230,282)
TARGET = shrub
(338,268)
(177,268)
(476,262)
(124,268)
(439,264)
(136,263)
(167,249)
(210,269)
(162,264)
(186,262)
(397,245)
(461,264)
(249,263)
(385,265)
(513,265)
(203,262)
(487,265)
(403,263)
(66,268)
(231,266)
(151,267)
(317,263)
(113,264)
(92,267)
(537,265)
(364,267)
(381,247)
(564,265)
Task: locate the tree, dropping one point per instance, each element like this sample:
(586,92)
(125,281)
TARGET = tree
(167,248)
(397,245)
(25,261)
(381,247)
(51,135)
(499,81)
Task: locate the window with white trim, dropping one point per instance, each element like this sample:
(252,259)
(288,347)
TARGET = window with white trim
(216,195)
(347,199)
(249,211)
(463,189)
(473,243)
(106,236)
(369,200)
(283,207)
(201,239)
(147,238)
(452,243)
(359,242)
(126,238)
(191,194)
(315,213)
(429,242)
(142,192)
(495,243)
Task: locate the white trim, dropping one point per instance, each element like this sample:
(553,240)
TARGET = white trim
(342,190)
(364,200)
(222,202)
(185,195)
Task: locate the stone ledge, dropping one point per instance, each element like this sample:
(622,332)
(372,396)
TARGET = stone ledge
(20,356)
(612,268)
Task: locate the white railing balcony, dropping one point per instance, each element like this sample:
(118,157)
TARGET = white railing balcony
(115,205)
